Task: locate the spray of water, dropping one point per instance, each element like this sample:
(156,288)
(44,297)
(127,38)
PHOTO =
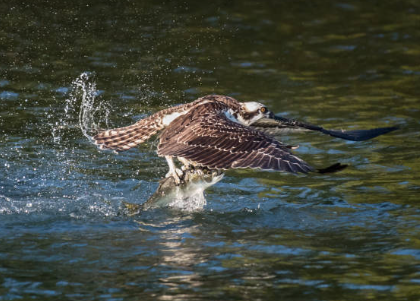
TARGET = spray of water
(91,112)
(84,108)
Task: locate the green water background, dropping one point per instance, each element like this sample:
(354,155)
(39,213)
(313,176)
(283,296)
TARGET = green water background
(262,235)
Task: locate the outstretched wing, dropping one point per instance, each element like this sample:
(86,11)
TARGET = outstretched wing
(124,138)
(211,140)
(278,124)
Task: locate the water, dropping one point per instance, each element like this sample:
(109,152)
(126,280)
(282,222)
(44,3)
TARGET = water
(64,231)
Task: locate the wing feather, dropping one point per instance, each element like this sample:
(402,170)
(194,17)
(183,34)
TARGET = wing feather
(124,138)
(214,141)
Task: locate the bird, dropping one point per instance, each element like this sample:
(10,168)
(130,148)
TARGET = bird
(218,132)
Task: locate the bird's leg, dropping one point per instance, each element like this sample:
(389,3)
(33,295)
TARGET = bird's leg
(174,172)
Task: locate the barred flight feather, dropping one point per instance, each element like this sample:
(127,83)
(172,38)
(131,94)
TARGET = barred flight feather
(214,141)
(202,133)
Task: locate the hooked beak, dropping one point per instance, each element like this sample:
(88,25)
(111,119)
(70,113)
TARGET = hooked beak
(273,121)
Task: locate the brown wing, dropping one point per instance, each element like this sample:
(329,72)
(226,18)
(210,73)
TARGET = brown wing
(124,138)
(212,140)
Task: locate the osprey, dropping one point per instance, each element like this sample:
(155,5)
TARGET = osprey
(219,133)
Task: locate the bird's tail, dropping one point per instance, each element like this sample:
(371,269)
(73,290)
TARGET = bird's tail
(124,138)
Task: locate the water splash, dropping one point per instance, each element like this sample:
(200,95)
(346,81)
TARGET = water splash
(188,196)
(91,112)
(46,172)
(85,111)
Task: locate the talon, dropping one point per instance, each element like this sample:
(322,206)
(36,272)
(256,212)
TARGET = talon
(174,176)
(179,172)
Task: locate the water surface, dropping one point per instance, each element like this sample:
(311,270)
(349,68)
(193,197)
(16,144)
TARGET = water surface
(64,234)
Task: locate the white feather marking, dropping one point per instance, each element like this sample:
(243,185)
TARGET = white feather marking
(171,117)
(229,115)
(252,106)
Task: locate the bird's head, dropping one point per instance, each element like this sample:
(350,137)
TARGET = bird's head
(251,112)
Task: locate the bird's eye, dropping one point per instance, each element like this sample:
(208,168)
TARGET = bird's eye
(263,110)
